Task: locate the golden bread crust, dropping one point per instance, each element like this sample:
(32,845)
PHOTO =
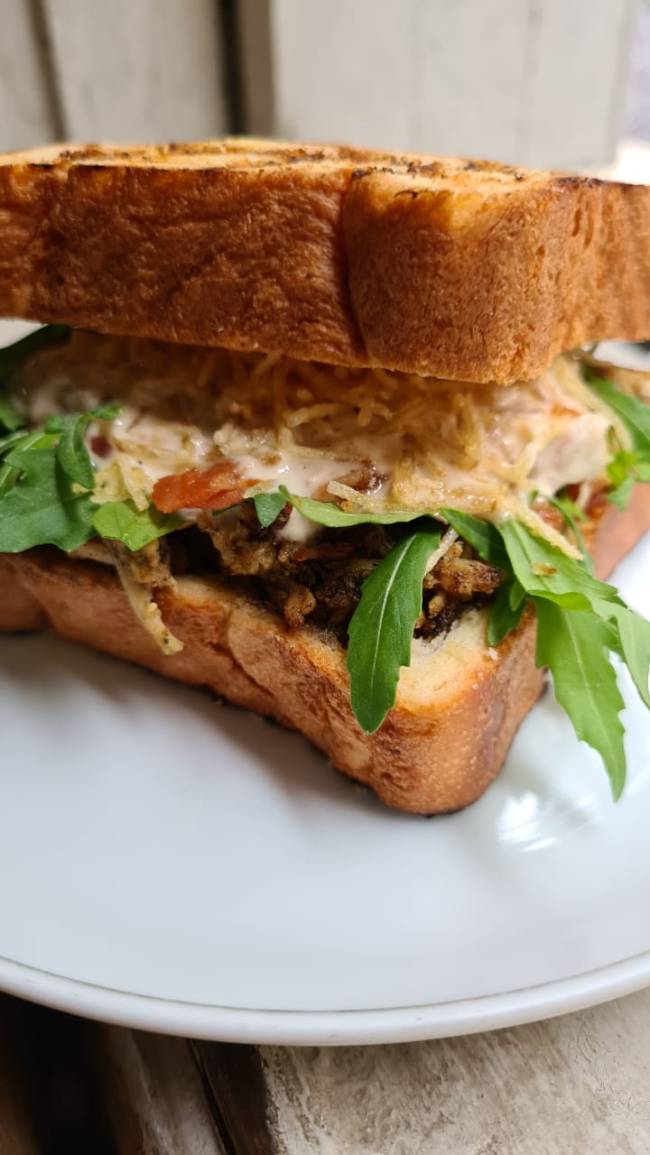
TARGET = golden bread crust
(457,269)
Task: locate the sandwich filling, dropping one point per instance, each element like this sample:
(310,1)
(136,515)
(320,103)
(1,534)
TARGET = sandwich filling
(314,487)
(370,440)
(199,432)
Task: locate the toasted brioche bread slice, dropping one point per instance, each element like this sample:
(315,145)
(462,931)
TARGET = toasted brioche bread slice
(464,270)
(459,705)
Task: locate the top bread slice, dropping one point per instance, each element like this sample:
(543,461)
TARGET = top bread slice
(460,269)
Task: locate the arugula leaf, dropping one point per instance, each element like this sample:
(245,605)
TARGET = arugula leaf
(626,467)
(8,476)
(381,629)
(12,355)
(484,537)
(10,358)
(568,508)
(10,418)
(545,572)
(506,611)
(572,515)
(46,481)
(40,501)
(135,528)
(580,620)
(11,439)
(328,514)
(268,507)
(633,638)
(623,470)
(621,466)
(635,413)
(72,455)
(42,506)
(621,494)
(516,594)
(575,644)
(574,647)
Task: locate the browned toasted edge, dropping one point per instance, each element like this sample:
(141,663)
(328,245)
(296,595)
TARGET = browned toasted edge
(336,255)
(425,759)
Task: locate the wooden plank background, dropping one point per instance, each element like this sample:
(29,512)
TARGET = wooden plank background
(529,81)
(28,113)
(137,69)
(576,1085)
(532,81)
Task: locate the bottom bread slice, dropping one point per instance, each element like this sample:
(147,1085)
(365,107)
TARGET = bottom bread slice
(459,704)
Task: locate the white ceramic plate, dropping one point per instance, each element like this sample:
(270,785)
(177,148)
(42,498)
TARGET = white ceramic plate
(171,864)
(174,865)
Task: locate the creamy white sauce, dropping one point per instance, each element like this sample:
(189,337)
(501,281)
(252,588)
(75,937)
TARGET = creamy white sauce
(161,447)
(298,528)
(542,435)
(45,401)
(580,454)
(519,422)
(303,476)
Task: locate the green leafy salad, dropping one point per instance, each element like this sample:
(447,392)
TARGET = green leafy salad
(47,484)
(47,478)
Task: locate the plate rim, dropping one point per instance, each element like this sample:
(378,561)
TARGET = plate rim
(327,1028)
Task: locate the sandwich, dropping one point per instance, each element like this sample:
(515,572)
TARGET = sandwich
(325,431)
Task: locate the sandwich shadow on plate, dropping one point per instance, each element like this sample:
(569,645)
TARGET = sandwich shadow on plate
(60,671)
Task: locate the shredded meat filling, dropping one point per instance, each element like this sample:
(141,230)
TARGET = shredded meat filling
(149,566)
(458,580)
(321,581)
(463,576)
(317,582)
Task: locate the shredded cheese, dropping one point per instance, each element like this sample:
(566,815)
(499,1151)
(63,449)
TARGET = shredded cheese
(147,610)
(320,429)
(446,542)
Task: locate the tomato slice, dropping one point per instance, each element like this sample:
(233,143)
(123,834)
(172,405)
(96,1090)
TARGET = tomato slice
(217,487)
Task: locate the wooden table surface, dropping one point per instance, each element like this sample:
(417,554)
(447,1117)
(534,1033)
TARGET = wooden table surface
(578,1085)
